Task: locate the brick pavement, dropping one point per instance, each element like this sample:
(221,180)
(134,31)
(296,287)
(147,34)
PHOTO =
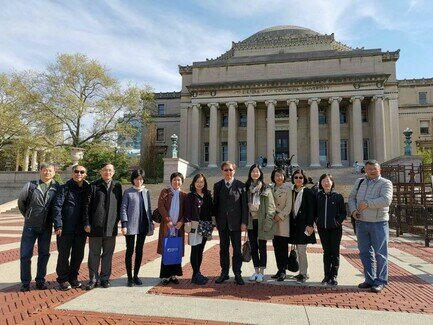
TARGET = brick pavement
(405,293)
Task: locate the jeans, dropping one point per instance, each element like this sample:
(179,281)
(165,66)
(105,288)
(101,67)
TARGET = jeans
(331,239)
(373,240)
(258,246)
(69,246)
(28,239)
(196,256)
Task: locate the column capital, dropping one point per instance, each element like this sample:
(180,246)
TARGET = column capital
(315,99)
(353,98)
(251,102)
(376,97)
(270,101)
(293,100)
(234,104)
(195,105)
(210,105)
(331,99)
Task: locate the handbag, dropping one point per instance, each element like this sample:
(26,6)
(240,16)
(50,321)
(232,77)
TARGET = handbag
(172,250)
(292,261)
(246,250)
(205,228)
(156,216)
(194,238)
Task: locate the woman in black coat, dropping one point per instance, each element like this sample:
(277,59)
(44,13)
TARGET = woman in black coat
(302,220)
(331,213)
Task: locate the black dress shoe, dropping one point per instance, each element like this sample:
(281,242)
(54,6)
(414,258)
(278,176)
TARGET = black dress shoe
(222,278)
(75,284)
(64,286)
(239,280)
(281,277)
(105,284)
(137,281)
(130,283)
(25,288)
(364,285)
(276,275)
(377,288)
(165,282)
(91,285)
(41,286)
(174,280)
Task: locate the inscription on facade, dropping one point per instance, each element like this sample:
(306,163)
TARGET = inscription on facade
(282,90)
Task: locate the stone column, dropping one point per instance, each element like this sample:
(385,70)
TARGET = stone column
(270,131)
(356,129)
(213,134)
(379,129)
(17,161)
(251,135)
(34,165)
(334,132)
(183,133)
(232,137)
(395,129)
(195,135)
(314,132)
(26,160)
(293,130)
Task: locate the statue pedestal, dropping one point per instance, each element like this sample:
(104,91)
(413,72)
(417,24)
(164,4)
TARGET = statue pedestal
(172,165)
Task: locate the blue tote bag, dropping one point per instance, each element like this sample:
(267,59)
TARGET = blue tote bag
(172,250)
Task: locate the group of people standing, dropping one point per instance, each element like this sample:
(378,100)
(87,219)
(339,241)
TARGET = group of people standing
(284,212)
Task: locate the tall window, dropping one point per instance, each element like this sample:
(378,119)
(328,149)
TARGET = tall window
(366,148)
(364,113)
(322,115)
(225,121)
(422,98)
(206,152)
(242,151)
(344,149)
(343,115)
(161,109)
(160,136)
(323,150)
(224,151)
(243,120)
(424,127)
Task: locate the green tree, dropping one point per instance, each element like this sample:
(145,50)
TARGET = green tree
(88,104)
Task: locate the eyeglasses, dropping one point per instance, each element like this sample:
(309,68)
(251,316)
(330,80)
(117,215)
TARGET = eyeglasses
(298,177)
(228,170)
(79,172)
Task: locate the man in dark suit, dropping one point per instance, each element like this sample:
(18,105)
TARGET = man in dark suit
(101,216)
(231,213)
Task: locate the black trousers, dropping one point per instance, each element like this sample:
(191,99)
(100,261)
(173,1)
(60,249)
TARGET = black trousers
(197,256)
(225,237)
(69,245)
(330,239)
(139,244)
(259,253)
(281,250)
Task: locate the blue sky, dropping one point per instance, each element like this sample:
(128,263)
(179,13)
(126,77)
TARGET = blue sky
(144,41)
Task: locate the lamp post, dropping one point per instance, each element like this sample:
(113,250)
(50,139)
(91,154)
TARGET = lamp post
(174,138)
(407,142)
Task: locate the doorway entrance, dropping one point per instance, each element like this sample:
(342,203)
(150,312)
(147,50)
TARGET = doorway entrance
(282,144)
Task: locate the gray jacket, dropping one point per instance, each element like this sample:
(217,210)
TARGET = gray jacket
(130,210)
(36,206)
(377,194)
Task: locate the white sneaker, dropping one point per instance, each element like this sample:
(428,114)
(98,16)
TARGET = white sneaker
(253,277)
(260,277)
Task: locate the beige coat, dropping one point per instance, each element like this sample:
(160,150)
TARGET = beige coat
(283,203)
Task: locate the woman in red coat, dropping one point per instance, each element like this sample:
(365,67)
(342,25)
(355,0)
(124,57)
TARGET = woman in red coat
(170,205)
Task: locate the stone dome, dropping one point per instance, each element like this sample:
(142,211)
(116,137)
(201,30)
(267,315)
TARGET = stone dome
(281,32)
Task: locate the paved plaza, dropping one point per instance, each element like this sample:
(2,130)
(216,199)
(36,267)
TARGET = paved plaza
(407,299)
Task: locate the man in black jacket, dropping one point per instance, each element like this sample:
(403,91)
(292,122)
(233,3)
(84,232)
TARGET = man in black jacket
(101,216)
(68,212)
(35,204)
(231,213)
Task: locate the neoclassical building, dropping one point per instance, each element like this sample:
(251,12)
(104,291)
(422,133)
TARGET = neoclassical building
(286,91)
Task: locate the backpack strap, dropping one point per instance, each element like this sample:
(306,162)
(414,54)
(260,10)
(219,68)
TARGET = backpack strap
(359,184)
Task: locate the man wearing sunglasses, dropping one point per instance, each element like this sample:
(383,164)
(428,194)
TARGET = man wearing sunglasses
(69,227)
(231,214)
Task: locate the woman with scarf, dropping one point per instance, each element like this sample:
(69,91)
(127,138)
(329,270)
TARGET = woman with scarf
(331,213)
(198,217)
(302,220)
(171,204)
(261,209)
(135,216)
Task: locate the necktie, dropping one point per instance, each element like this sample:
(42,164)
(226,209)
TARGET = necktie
(228,184)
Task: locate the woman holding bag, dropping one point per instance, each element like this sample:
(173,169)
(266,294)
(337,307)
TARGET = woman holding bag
(171,204)
(283,201)
(198,217)
(135,216)
(261,209)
